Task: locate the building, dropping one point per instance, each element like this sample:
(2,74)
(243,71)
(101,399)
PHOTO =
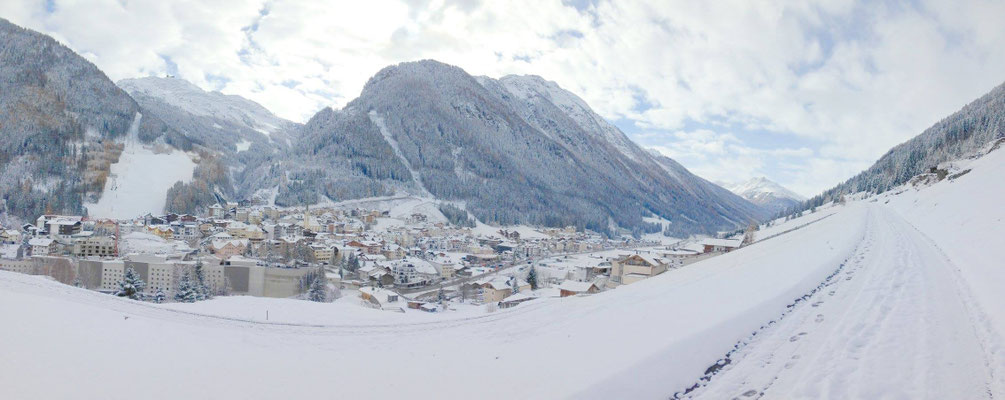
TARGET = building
(60,225)
(573,288)
(323,254)
(95,246)
(42,246)
(635,267)
(720,245)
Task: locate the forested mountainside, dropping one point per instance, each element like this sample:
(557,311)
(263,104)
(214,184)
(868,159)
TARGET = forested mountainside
(244,140)
(59,116)
(514,150)
(956,136)
(770,196)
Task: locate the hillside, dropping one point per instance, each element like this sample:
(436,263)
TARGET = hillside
(63,122)
(955,136)
(514,150)
(241,140)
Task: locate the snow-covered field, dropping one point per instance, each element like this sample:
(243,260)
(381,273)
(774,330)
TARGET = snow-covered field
(880,299)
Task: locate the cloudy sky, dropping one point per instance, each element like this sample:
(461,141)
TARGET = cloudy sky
(804,93)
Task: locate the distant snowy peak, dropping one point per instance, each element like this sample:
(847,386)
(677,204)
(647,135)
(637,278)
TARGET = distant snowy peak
(767,194)
(192,99)
(533,88)
(760,185)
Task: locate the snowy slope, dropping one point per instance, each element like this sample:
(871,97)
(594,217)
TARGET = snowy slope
(917,313)
(649,334)
(138,183)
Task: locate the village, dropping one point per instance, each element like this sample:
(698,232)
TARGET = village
(410,261)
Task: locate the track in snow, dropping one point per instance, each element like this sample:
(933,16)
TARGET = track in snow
(895,322)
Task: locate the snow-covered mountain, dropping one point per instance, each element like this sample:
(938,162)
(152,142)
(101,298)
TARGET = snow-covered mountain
(63,123)
(514,150)
(765,193)
(192,100)
(239,139)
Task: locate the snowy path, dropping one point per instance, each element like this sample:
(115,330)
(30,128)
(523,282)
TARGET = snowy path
(896,322)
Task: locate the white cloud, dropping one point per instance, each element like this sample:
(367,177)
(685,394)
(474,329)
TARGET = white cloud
(855,77)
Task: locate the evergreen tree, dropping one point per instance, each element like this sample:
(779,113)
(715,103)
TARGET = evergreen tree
(319,287)
(514,285)
(159,296)
(77,282)
(187,292)
(131,285)
(353,264)
(202,290)
(532,278)
(441,296)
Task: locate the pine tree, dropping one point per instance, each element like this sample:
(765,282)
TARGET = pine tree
(202,290)
(353,264)
(319,287)
(159,296)
(514,285)
(131,285)
(532,278)
(77,282)
(441,296)
(187,291)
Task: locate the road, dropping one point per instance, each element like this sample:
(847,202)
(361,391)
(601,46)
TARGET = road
(895,322)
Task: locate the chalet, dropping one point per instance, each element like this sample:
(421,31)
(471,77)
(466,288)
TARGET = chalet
(516,299)
(42,246)
(376,275)
(368,247)
(216,211)
(10,236)
(225,248)
(573,288)
(720,245)
(636,267)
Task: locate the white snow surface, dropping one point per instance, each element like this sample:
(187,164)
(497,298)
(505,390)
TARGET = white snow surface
(900,298)
(148,243)
(138,183)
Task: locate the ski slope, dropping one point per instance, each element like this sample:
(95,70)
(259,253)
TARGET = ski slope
(138,183)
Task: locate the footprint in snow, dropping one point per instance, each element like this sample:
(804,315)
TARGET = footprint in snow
(820,318)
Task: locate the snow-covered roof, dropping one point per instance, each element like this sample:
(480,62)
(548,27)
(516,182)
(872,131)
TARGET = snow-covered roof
(40,242)
(722,242)
(576,286)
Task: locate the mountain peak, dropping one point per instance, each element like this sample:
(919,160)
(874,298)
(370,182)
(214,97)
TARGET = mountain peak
(188,97)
